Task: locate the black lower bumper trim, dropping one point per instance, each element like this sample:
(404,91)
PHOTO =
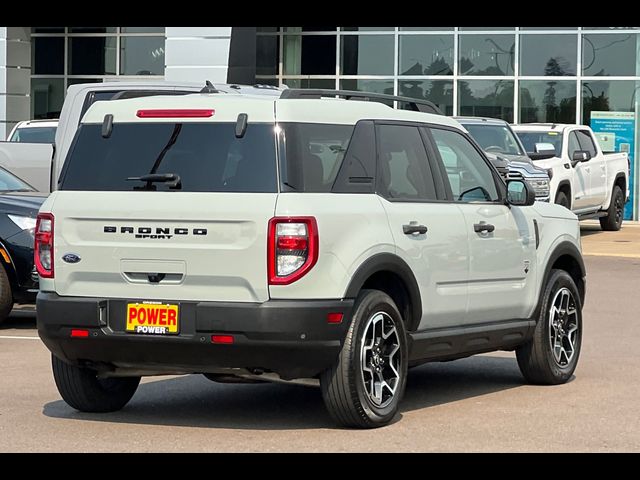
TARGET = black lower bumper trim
(289,337)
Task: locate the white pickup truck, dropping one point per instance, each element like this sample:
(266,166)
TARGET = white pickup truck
(33,162)
(584,179)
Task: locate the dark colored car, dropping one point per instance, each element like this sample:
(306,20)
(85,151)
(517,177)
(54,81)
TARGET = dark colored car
(19,205)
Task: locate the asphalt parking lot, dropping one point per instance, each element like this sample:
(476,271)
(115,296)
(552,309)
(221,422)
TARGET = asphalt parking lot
(476,404)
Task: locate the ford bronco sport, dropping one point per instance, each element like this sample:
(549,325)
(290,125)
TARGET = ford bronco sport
(296,236)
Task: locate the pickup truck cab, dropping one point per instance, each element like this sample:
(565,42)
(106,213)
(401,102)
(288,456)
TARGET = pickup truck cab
(587,181)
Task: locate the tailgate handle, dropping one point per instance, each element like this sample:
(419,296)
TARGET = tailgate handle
(156,277)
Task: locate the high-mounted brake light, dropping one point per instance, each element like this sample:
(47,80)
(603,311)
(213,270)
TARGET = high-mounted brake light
(176,113)
(43,252)
(292,248)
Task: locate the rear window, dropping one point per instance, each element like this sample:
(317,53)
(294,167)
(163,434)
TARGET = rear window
(312,155)
(206,156)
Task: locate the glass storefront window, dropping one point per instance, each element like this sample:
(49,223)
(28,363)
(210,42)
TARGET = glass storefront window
(608,95)
(486,54)
(367,29)
(548,55)
(310,83)
(142,29)
(547,101)
(267,54)
(47,56)
(142,56)
(439,92)
(309,55)
(610,54)
(92,55)
(47,96)
(426,54)
(425,29)
(367,54)
(486,98)
(92,29)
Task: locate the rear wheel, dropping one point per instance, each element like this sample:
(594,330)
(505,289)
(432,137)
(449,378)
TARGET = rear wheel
(365,385)
(613,221)
(83,390)
(562,199)
(6,295)
(551,356)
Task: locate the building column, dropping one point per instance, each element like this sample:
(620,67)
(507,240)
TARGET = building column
(15,77)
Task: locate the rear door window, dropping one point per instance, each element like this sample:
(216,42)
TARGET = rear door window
(404,171)
(206,156)
(312,154)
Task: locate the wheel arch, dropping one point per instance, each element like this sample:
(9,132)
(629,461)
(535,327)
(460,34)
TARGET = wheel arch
(565,186)
(389,273)
(9,268)
(565,256)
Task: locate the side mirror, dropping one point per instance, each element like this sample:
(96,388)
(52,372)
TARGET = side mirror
(519,193)
(580,156)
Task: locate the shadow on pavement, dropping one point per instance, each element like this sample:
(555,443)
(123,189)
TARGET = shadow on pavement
(21,318)
(194,401)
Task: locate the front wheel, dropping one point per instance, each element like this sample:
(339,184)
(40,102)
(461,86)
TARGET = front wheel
(551,356)
(366,383)
(613,221)
(83,390)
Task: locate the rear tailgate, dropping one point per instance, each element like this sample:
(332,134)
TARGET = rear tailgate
(215,248)
(202,238)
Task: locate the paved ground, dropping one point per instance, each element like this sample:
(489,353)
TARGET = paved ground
(475,404)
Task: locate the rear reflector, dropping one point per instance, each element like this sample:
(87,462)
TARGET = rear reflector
(176,113)
(222,339)
(334,317)
(76,333)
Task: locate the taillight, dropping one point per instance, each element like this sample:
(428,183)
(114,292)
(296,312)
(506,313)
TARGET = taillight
(292,248)
(43,253)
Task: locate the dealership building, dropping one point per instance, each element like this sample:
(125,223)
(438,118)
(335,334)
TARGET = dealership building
(519,74)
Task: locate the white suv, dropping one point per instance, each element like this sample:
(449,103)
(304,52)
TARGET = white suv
(295,236)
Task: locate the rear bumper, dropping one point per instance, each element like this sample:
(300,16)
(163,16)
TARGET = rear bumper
(289,337)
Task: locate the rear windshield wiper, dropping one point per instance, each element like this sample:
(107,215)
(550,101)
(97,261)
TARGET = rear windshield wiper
(171,179)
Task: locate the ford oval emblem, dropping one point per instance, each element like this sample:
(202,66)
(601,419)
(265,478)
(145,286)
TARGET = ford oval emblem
(71,258)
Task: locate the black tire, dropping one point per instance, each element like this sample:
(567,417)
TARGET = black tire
(343,385)
(84,391)
(536,358)
(6,296)
(613,221)
(562,199)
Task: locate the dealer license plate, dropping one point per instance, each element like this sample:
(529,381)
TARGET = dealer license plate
(152,318)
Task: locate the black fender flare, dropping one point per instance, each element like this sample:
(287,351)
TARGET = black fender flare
(624,188)
(9,268)
(389,262)
(563,248)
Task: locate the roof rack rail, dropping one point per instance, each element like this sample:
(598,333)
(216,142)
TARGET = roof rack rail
(415,104)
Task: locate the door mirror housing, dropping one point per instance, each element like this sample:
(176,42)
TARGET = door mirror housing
(519,193)
(580,156)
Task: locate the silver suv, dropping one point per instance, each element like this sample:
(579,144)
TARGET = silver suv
(290,237)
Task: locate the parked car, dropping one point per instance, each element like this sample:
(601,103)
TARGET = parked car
(19,204)
(34,131)
(505,151)
(585,180)
(291,237)
(40,164)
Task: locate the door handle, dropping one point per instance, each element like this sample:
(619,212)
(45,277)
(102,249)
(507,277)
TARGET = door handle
(483,227)
(414,228)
